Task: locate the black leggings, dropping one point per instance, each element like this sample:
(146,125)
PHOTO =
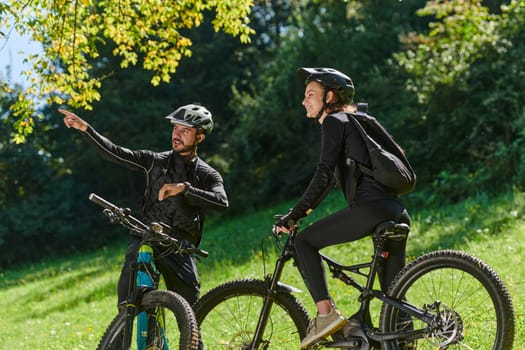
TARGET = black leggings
(348,225)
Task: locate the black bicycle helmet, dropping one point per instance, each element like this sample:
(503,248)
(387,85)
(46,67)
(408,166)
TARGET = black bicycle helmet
(192,115)
(331,79)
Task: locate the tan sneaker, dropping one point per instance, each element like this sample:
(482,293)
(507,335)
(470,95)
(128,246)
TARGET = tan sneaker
(322,326)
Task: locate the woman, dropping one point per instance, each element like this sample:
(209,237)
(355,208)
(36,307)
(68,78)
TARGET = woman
(328,96)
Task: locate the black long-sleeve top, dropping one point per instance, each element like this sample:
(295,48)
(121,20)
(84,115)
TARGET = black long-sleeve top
(340,142)
(185,212)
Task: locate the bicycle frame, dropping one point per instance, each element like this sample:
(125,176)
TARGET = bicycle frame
(143,278)
(148,277)
(367,293)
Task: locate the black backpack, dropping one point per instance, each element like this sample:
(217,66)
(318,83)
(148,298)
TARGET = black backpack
(390,167)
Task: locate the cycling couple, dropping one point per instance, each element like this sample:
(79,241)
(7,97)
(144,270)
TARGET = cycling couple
(180,188)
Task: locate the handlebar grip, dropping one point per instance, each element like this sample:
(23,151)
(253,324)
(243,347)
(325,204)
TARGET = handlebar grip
(201,252)
(102,202)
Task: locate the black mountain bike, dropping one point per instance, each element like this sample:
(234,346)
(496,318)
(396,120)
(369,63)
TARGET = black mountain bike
(442,300)
(159,319)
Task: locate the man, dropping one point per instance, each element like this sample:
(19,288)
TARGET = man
(179,188)
(328,95)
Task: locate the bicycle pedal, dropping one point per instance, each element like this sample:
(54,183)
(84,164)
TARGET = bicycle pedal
(348,343)
(315,346)
(318,344)
(344,344)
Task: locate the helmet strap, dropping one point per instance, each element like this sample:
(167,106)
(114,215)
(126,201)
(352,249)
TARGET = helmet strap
(191,150)
(325,105)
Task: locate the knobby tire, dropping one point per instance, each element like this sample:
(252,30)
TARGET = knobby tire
(181,327)
(473,302)
(228,315)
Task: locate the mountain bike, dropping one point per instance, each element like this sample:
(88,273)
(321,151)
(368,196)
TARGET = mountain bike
(441,300)
(160,319)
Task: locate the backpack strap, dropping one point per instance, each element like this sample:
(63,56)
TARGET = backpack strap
(356,169)
(354,174)
(364,136)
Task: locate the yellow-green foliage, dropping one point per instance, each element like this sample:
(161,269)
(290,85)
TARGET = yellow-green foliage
(73,33)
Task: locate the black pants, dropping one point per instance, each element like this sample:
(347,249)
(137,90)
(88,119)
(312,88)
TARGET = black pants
(179,272)
(347,225)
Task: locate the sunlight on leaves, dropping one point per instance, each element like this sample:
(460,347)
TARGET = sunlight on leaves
(145,32)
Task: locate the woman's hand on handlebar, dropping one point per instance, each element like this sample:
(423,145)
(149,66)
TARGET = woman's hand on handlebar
(282,229)
(284,224)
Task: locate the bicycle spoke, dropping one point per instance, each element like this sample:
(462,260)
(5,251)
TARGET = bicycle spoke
(470,303)
(228,318)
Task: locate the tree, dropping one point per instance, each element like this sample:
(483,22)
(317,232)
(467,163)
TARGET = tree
(46,180)
(72,33)
(37,197)
(466,73)
(458,34)
(275,148)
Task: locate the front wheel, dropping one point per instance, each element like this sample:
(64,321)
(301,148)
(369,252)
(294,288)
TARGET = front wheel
(229,313)
(172,325)
(471,305)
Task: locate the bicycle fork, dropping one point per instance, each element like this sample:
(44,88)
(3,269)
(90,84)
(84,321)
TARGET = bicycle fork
(144,275)
(273,287)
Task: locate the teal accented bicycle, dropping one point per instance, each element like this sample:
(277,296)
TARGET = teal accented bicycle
(160,319)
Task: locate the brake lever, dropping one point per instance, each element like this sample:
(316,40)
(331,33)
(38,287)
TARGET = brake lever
(112,216)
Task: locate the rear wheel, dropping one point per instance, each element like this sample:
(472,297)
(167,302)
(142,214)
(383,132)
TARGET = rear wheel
(472,307)
(228,316)
(171,324)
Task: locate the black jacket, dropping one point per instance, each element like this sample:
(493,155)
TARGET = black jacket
(340,141)
(185,212)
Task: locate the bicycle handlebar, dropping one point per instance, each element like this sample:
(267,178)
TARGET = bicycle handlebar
(159,230)
(102,202)
(123,214)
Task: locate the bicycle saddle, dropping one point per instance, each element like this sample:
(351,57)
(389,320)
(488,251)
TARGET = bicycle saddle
(392,230)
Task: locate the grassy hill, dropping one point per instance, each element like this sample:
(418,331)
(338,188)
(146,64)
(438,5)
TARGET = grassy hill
(67,304)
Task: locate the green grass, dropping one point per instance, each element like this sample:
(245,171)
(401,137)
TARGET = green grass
(67,304)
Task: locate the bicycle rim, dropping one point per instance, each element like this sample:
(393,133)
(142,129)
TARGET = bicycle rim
(168,322)
(228,316)
(473,307)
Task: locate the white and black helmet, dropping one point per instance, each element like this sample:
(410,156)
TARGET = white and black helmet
(192,115)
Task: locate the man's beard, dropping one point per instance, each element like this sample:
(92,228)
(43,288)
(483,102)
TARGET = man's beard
(186,149)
